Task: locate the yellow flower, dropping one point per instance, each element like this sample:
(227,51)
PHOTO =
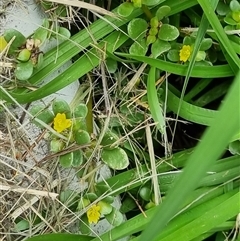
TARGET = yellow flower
(93,214)
(3,43)
(60,122)
(185,53)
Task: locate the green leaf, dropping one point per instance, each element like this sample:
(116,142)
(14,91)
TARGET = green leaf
(105,208)
(163,11)
(230,21)
(24,70)
(116,158)
(168,32)
(17,42)
(159,47)
(173,55)
(60,237)
(137,28)
(82,137)
(234,5)
(66,160)
(115,218)
(111,65)
(206,44)
(80,111)
(154,105)
(109,138)
(24,55)
(84,227)
(61,106)
(43,114)
(139,47)
(77,158)
(125,9)
(41,33)
(178,69)
(222,9)
(64,32)
(56,145)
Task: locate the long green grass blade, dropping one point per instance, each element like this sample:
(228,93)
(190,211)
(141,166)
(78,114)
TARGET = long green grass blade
(154,105)
(218,71)
(198,165)
(208,216)
(60,237)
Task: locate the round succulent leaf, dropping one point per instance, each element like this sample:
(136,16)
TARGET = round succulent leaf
(234,5)
(116,159)
(151,39)
(63,33)
(236,16)
(163,11)
(105,208)
(17,42)
(80,111)
(206,44)
(173,55)
(139,47)
(77,158)
(137,28)
(109,138)
(79,124)
(43,114)
(56,145)
(145,193)
(83,203)
(125,9)
(234,147)
(222,9)
(24,70)
(168,32)
(84,227)
(61,106)
(61,11)
(229,28)
(115,218)
(24,55)
(151,2)
(201,55)
(188,40)
(22,225)
(41,33)
(91,196)
(128,204)
(108,199)
(82,137)
(39,61)
(229,20)
(111,65)
(150,205)
(159,47)
(66,160)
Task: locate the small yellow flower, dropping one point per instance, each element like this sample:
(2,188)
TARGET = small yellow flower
(185,53)
(60,122)
(93,214)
